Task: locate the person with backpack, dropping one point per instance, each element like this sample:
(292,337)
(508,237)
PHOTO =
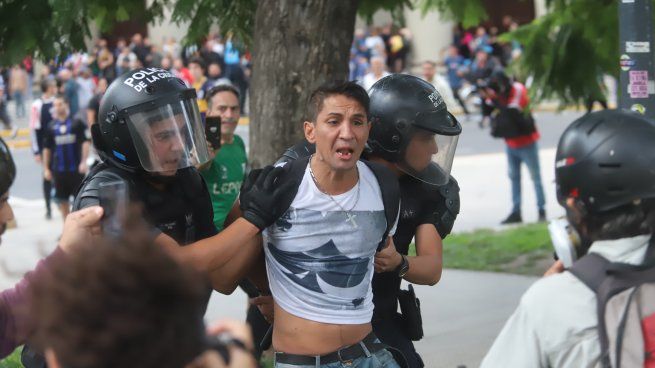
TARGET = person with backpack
(600,311)
(320,253)
(508,102)
(416,139)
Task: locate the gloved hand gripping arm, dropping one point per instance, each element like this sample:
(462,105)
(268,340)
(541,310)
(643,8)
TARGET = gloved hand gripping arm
(262,197)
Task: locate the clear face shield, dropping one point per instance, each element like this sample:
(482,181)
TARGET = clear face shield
(428,157)
(169,137)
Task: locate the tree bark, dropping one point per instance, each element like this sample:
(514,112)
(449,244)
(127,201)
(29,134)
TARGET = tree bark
(298,45)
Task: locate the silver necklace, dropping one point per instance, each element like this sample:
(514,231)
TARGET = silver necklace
(349,216)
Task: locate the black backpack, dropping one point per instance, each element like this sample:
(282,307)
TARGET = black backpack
(625,297)
(509,122)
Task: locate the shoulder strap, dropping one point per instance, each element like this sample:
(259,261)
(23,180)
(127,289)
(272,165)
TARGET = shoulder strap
(390,195)
(591,270)
(294,170)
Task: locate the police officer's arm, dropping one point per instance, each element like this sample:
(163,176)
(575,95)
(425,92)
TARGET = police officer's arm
(226,278)
(425,267)
(214,252)
(260,205)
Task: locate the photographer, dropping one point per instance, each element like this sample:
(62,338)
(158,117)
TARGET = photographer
(605,181)
(508,102)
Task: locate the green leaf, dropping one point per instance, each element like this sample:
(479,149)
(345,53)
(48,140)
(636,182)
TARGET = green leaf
(122,14)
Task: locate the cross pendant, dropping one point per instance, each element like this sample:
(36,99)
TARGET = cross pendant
(351,219)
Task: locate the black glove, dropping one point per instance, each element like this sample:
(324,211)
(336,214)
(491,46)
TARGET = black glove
(264,198)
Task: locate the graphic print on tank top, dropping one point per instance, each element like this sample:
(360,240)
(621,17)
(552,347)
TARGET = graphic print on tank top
(319,264)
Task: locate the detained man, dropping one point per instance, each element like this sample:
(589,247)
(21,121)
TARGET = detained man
(320,253)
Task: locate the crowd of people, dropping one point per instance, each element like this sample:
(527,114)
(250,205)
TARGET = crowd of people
(82,74)
(470,59)
(320,240)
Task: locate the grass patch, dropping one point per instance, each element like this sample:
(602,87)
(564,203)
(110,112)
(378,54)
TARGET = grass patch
(13,360)
(523,250)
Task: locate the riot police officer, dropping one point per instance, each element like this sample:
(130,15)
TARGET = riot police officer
(414,135)
(149,137)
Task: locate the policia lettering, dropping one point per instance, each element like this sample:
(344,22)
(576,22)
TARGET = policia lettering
(150,75)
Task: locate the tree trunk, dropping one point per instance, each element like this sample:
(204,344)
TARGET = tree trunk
(298,45)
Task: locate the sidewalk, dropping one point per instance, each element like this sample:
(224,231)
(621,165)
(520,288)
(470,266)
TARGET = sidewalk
(485,190)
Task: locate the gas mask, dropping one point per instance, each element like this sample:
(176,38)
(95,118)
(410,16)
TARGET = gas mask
(566,241)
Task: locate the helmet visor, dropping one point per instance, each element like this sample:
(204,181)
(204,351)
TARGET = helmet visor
(169,137)
(429,157)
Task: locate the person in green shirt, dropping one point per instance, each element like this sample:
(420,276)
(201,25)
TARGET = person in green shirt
(225,172)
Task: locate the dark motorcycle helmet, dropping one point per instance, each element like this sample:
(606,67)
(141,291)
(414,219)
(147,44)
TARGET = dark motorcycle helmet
(606,159)
(7,168)
(149,121)
(402,105)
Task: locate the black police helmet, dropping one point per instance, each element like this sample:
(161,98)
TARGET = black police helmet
(133,92)
(400,104)
(606,159)
(7,168)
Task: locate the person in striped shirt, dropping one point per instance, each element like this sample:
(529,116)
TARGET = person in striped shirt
(65,149)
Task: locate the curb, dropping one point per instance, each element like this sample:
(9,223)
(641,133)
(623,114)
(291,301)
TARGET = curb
(22,133)
(19,144)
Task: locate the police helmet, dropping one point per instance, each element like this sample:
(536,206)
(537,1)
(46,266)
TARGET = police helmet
(7,168)
(149,121)
(606,159)
(401,105)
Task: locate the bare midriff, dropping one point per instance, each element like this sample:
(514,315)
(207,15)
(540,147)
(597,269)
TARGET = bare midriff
(295,335)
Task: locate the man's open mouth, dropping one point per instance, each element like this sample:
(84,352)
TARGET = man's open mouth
(345,153)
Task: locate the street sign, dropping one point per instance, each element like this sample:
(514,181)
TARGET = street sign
(637,82)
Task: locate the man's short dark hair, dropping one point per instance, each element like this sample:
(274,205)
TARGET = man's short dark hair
(331,88)
(197,60)
(218,89)
(626,221)
(46,83)
(119,303)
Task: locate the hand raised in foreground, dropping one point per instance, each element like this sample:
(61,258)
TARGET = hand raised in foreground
(81,228)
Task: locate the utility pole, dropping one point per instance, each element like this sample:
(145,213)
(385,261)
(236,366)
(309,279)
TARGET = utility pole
(637,85)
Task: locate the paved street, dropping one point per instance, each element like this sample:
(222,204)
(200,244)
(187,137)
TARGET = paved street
(462,314)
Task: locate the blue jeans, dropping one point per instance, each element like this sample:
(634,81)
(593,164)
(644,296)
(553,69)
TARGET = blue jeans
(529,155)
(20,104)
(380,359)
